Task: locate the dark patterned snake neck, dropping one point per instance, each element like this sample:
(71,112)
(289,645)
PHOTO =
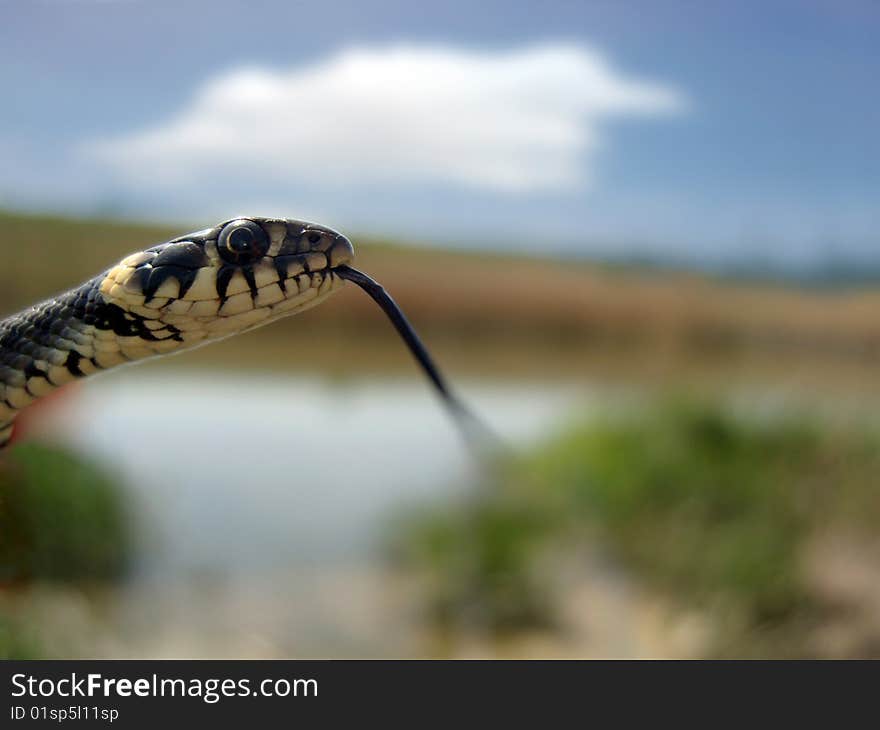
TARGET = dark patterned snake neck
(214,283)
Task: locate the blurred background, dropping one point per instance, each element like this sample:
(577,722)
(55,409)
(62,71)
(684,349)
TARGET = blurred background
(641,239)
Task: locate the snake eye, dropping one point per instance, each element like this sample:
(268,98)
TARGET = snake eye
(242,241)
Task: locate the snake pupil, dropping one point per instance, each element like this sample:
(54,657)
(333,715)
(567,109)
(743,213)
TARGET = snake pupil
(240,240)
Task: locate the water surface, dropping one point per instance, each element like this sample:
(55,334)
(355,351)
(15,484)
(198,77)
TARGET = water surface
(264,502)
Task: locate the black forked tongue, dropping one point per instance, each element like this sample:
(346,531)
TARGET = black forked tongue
(470,425)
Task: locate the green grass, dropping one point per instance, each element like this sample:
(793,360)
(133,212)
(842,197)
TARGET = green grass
(710,508)
(478,565)
(61,518)
(701,502)
(17,641)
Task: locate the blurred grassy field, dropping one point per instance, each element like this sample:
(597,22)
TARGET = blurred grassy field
(765,528)
(504,315)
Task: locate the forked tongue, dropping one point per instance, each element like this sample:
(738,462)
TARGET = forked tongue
(475,432)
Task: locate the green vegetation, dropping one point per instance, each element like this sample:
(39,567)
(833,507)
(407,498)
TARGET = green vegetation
(712,509)
(17,642)
(61,519)
(479,564)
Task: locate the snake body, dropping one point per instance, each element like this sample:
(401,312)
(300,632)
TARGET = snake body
(214,283)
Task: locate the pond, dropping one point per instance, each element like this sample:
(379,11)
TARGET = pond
(264,503)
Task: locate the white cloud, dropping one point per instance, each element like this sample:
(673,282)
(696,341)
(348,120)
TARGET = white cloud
(506,121)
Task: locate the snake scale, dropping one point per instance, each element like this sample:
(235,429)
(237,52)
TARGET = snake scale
(207,285)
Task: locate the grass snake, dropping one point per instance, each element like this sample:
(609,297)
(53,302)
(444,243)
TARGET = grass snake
(201,287)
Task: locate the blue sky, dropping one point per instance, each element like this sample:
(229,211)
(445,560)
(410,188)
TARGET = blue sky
(709,130)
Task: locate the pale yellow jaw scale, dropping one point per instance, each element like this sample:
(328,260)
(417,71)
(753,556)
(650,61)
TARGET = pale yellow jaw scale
(201,315)
(205,286)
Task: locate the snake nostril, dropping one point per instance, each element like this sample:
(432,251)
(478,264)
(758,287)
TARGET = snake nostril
(314,237)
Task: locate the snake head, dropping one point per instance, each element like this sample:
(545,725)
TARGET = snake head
(238,275)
